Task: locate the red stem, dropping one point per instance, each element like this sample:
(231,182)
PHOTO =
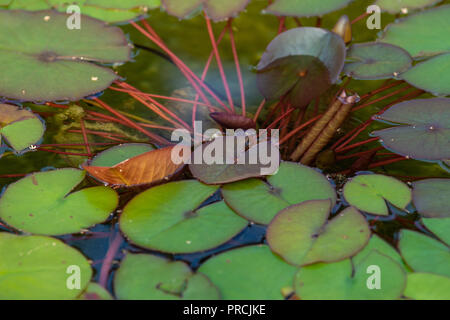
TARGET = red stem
(238,67)
(109,257)
(352,146)
(258,111)
(304,125)
(85,137)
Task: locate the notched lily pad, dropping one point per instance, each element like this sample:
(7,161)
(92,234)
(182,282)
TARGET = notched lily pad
(422,131)
(404,6)
(215,9)
(19,127)
(427,286)
(370,192)
(301,234)
(166,218)
(431,197)
(117,154)
(260,201)
(94,291)
(46,61)
(440,227)
(40,203)
(374,61)
(424,254)
(38,267)
(149,277)
(346,281)
(305,8)
(249,273)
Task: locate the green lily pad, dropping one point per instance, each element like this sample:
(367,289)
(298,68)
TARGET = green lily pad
(249,273)
(149,277)
(427,286)
(374,61)
(421,34)
(94,291)
(166,218)
(41,203)
(215,9)
(115,155)
(377,244)
(260,201)
(38,267)
(19,127)
(440,227)
(422,131)
(305,8)
(431,75)
(404,6)
(346,281)
(424,254)
(370,192)
(431,197)
(111,11)
(46,61)
(301,234)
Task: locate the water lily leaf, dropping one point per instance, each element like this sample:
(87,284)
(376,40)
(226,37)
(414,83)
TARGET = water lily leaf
(305,8)
(431,75)
(149,277)
(301,234)
(424,130)
(374,61)
(19,127)
(422,34)
(232,121)
(215,9)
(166,218)
(323,44)
(225,160)
(431,196)
(370,192)
(46,61)
(404,6)
(344,281)
(147,168)
(439,226)
(378,244)
(300,78)
(249,273)
(117,154)
(427,286)
(111,11)
(260,201)
(40,203)
(424,254)
(94,291)
(38,267)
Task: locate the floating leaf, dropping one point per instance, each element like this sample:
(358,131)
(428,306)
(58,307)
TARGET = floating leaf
(431,75)
(249,273)
(41,203)
(305,8)
(431,197)
(427,286)
(231,158)
(404,6)
(423,132)
(94,291)
(424,254)
(440,227)
(19,127)
(147,168)
(374,61)
(38,267)
(344,281)
(148,277)
(46,61)
(166,218)
(301,234)
(232,121)
(378,244)
(421,34)
(260,201)
(115,155)
(215,9)
(369,193)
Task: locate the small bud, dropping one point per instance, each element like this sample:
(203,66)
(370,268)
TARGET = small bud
(344,29)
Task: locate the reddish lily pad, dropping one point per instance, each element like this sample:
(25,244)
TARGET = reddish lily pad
(431,197)
(215,9)
(422,131)
(301,234)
